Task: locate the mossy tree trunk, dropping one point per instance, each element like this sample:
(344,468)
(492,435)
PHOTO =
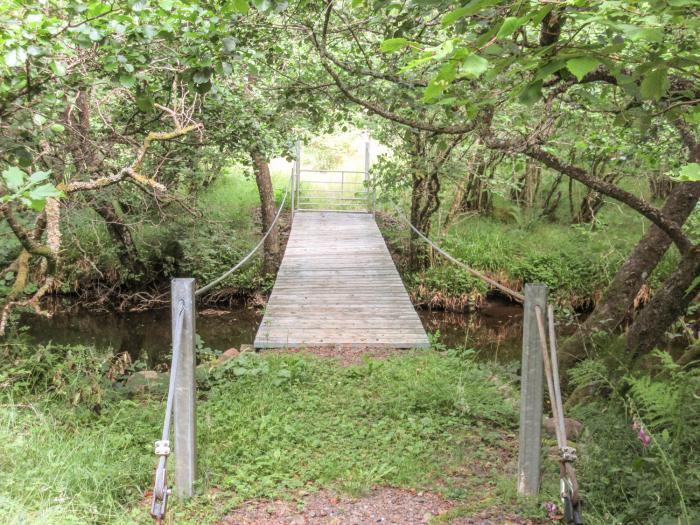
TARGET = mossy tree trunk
(667,305)
(263,181)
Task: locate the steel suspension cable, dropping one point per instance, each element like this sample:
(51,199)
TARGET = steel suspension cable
(512,293)
(162,448)
(245,259)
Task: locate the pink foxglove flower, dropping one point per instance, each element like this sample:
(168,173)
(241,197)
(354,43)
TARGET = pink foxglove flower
(551,508)
(644,437)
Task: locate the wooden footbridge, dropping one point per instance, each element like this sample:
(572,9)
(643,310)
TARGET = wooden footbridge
(337,286)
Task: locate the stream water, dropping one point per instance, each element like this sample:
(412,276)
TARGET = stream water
(495,331)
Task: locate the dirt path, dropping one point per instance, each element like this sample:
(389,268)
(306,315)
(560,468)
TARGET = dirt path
(388,506)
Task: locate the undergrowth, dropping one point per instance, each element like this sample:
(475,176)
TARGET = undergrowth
(641,454)
(269,426)
(577,262)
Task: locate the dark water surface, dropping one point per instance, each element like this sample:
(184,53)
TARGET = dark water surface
(495,331)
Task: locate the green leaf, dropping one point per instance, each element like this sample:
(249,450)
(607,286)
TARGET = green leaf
(531,93)
(58,68)
(511,25)
(649,34)
(15,57)
(57,128)
(127,80)
(690,172)
(549,69)
(693,285)
(229,44)
(473,66)
(471,8)
(654,85)
(443,50)
(418,61)
(39,176)
(201,76)
(390,45)
(94,34)
(581,66)
(14,178)
(434,89)
(693,116)
(240,6)
(44,192)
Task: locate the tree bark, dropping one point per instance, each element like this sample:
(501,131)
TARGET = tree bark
(263,180)
(423,204)
(667,305)
(120,232)
(612,309)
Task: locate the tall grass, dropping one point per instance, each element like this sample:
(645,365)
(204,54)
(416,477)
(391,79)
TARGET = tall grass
(268,425)
(516,246)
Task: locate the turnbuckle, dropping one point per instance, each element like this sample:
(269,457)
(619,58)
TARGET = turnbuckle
(159,502)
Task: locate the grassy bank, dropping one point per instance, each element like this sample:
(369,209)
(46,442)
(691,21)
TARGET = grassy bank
(269,426)
(75,447)
(170,242)
(576,261)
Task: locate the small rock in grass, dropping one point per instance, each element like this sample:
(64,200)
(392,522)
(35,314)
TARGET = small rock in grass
(231,353)
(142,380)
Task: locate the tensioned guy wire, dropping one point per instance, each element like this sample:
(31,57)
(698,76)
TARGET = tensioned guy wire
(245,259)
(512,293)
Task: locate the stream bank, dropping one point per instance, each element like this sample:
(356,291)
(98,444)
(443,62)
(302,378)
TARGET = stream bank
(495,330)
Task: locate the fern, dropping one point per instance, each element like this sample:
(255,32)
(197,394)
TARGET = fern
(667,401)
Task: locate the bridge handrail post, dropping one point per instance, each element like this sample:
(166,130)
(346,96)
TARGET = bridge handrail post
(297,174)
(371,205)
(292,189)
(531,393)
(185,432)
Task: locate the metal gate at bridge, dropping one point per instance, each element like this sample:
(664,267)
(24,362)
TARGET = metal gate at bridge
(333,190)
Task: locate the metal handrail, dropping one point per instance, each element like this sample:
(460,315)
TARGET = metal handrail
(357,182)
(245,259)
(161,491)
(330,171)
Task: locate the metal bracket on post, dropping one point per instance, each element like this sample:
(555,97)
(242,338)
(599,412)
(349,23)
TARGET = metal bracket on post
(531,394)
(185,396)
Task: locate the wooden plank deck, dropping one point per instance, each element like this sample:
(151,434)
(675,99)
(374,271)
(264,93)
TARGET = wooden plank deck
(337,286)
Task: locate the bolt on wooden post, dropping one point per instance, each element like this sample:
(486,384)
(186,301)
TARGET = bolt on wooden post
(185,396)
(531,394)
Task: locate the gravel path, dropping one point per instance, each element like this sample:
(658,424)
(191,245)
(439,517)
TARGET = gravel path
(386,506)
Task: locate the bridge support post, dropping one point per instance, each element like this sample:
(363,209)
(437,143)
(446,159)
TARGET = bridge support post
(297,175)
(185,396)
(531,394)
(372,196)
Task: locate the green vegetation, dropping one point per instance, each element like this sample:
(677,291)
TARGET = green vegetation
(553,141)
(576,261)
(270,426)
(625,479)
